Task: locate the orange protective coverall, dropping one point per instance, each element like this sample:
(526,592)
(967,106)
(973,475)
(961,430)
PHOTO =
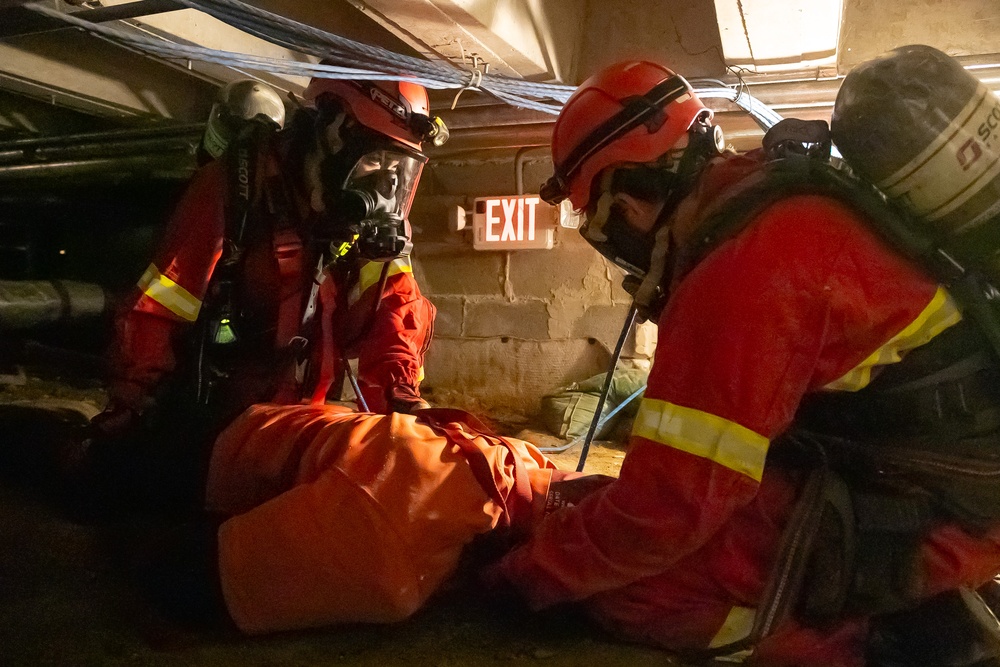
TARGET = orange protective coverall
(390,340)
(338,516)
(677,550)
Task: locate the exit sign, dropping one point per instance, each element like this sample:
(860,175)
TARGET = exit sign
(513,223)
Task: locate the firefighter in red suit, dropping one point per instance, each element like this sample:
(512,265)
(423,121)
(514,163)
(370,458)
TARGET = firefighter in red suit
(792,318)
(321,274)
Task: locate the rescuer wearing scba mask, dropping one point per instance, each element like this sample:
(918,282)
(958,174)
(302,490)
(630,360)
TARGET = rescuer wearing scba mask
(791,494)
(287,255)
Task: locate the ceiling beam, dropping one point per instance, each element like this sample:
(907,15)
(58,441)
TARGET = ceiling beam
(516,38)
(75,70)
(20,21)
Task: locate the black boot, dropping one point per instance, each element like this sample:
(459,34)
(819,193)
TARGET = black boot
(954,629)
(179,571)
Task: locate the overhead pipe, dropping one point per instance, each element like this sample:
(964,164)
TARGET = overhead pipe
(740,129)
(129,134)
(30,24)
(132,166)
(90,151)
(131,152)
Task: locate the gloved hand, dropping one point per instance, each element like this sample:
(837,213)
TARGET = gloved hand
(407,406)
(568,488)
(114,422)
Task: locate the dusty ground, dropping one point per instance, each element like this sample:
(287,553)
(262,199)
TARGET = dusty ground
(68,596)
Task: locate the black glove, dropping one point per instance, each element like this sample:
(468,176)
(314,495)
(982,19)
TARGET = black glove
(407,406)
(569,489)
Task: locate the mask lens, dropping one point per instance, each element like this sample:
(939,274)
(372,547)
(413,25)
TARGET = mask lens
(391,177)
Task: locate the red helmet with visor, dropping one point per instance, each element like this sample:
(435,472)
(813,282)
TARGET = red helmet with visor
(397,109)
(633,112)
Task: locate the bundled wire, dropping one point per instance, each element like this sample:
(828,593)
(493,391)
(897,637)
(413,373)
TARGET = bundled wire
(308,39)
(354,60)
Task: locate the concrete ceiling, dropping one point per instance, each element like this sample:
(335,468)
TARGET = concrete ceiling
(57,78)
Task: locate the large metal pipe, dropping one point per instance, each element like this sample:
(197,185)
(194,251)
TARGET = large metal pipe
(27,304)
(129,153)
(740,130)
(152,146)
(177,165)
(131,134)
(23,22)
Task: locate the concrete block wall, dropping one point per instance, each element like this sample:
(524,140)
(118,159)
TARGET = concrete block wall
(511,326)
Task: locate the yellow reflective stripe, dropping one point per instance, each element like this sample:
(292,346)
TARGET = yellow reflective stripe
(702,434)
(420,374)
(940,313)
(372,271)
(737,626)
(169,294)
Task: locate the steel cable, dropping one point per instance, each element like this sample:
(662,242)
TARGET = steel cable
(355,60)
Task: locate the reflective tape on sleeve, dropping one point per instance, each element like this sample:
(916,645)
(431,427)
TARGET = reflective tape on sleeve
(702,434)
(372,271)
(169,294)
(941,313)
(736,627)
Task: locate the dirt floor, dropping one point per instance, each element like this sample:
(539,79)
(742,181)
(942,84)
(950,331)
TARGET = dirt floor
(69,594)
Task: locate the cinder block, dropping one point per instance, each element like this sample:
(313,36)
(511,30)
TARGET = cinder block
(475,177)
(493,377)
(537,169)
(618,293)
(565,272)
(645,339)
(601,322)
(450,315)
(527,320)
(442,270)
(429,219)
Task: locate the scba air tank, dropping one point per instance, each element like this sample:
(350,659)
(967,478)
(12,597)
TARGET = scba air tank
(916,124)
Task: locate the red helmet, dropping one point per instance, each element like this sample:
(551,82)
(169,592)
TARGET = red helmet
(397,109)
(633,111)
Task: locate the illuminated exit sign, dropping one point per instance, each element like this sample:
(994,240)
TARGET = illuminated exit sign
(513,223)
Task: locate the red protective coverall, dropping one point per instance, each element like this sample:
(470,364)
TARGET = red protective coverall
(277,274)
(345,517)
(677,550)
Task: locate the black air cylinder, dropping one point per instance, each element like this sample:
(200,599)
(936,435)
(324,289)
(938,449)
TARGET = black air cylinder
(924,130)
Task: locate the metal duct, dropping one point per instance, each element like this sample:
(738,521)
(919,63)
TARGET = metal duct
(26,304)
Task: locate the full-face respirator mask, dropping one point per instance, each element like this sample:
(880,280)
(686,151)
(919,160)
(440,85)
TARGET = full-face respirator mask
(668,180)
(369,184)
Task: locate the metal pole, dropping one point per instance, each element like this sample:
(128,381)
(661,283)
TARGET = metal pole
(355,386)
(575,441)
(629,321)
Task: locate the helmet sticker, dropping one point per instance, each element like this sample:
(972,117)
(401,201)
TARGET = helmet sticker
(395,107)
